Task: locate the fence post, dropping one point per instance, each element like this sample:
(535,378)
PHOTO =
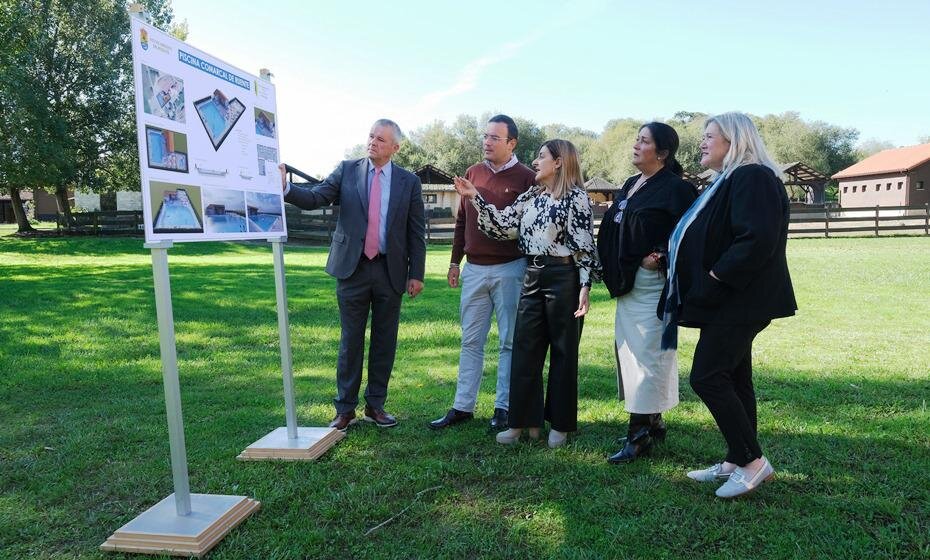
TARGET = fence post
(927,218)
(876,220)
(826,221)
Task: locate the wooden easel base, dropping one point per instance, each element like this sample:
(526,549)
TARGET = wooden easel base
(309,445)
(160,530)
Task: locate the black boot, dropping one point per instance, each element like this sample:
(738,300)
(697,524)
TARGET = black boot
(657,428)
(637,445)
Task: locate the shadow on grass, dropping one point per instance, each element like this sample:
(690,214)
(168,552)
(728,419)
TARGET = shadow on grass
(83,445)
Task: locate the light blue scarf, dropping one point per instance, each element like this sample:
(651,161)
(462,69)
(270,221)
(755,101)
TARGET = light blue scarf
(672,297)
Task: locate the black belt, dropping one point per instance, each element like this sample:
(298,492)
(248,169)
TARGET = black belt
(539,261)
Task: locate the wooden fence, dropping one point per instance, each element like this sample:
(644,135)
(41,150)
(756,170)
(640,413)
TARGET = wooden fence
(318,225)
(875,220)
(118,222)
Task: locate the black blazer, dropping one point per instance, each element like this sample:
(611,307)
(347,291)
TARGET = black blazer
(741,236)
(347,186)
(648,220)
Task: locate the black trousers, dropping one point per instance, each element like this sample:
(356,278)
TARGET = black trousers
(368,290)
(722,376)
(546,324)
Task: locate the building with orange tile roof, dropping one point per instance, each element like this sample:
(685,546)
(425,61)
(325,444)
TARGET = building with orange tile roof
(896,177)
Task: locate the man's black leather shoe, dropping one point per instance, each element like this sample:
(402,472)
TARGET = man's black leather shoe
(450,419)
(499,422)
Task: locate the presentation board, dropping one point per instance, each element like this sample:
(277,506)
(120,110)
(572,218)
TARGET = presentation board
(208,144)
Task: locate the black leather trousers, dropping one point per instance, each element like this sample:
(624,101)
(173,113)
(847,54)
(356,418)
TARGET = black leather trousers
(546,324)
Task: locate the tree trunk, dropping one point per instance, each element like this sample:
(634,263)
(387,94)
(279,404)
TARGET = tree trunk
(21,219)
(61,196)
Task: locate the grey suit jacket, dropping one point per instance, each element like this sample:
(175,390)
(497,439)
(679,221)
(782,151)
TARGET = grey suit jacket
(347,186)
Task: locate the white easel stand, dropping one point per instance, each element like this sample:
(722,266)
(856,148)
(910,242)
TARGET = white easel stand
(289,443)
(182,524)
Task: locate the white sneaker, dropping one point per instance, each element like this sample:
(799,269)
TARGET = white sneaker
(710,474)
(740,483)
(509,437)
(557,438)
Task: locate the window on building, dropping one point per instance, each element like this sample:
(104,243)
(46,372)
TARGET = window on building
(878,187)
(429,198)
(900,184)
(920,185)
(854,188)
(845,189)
(888,187)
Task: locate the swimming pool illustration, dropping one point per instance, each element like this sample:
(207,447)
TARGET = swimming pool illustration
(264,211)
(219,115)
(166,149)
(177,213)
(162,94)
(264,123)
(224,211)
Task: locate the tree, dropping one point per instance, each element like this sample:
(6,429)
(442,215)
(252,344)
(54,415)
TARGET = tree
(610,156)
(690,128)
(582,139)
(75,56)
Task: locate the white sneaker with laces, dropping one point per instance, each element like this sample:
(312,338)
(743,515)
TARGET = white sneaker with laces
(740,483)
(710,474)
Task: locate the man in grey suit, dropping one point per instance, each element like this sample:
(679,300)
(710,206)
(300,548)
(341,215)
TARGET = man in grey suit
(378,252)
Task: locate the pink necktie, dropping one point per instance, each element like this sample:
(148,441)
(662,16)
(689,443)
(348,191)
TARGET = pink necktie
(373,232)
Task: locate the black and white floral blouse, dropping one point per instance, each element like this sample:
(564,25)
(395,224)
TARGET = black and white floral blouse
(546,226)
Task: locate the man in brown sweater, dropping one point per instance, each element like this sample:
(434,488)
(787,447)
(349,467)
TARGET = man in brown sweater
(492,279)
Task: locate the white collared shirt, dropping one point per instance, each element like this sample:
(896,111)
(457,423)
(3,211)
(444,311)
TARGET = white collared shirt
(510,163)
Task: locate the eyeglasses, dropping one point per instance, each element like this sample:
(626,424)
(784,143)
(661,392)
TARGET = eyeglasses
(494,138)
(618,217)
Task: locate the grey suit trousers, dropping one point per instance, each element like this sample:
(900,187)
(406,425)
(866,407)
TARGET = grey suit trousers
(367,290)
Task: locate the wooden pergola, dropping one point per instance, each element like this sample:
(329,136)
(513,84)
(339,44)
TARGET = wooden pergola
(811,181)
(699,181)
(432,175)
(797,174)
(600,190)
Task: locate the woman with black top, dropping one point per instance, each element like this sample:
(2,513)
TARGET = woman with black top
(728,276)
(632,244)
(553,224)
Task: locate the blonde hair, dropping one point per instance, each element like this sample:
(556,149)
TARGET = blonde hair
(568,175)
(746,145)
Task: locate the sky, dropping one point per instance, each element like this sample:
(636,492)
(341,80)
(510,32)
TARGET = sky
(338,66)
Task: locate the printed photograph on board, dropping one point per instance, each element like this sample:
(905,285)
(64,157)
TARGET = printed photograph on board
(264,123)
(162,94)
(166,149)
(176,208)
(267,160)
(219,115)
(264,211)
(224,210)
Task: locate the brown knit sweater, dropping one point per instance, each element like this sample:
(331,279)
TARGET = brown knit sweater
(501,190)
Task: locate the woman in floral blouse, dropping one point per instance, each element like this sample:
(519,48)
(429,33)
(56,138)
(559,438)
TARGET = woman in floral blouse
(554,228)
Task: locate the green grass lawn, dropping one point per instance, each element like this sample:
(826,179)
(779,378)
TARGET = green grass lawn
(843,390)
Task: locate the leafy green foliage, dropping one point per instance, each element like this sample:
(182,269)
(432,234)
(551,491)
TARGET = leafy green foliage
(454,147)
(68,77)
